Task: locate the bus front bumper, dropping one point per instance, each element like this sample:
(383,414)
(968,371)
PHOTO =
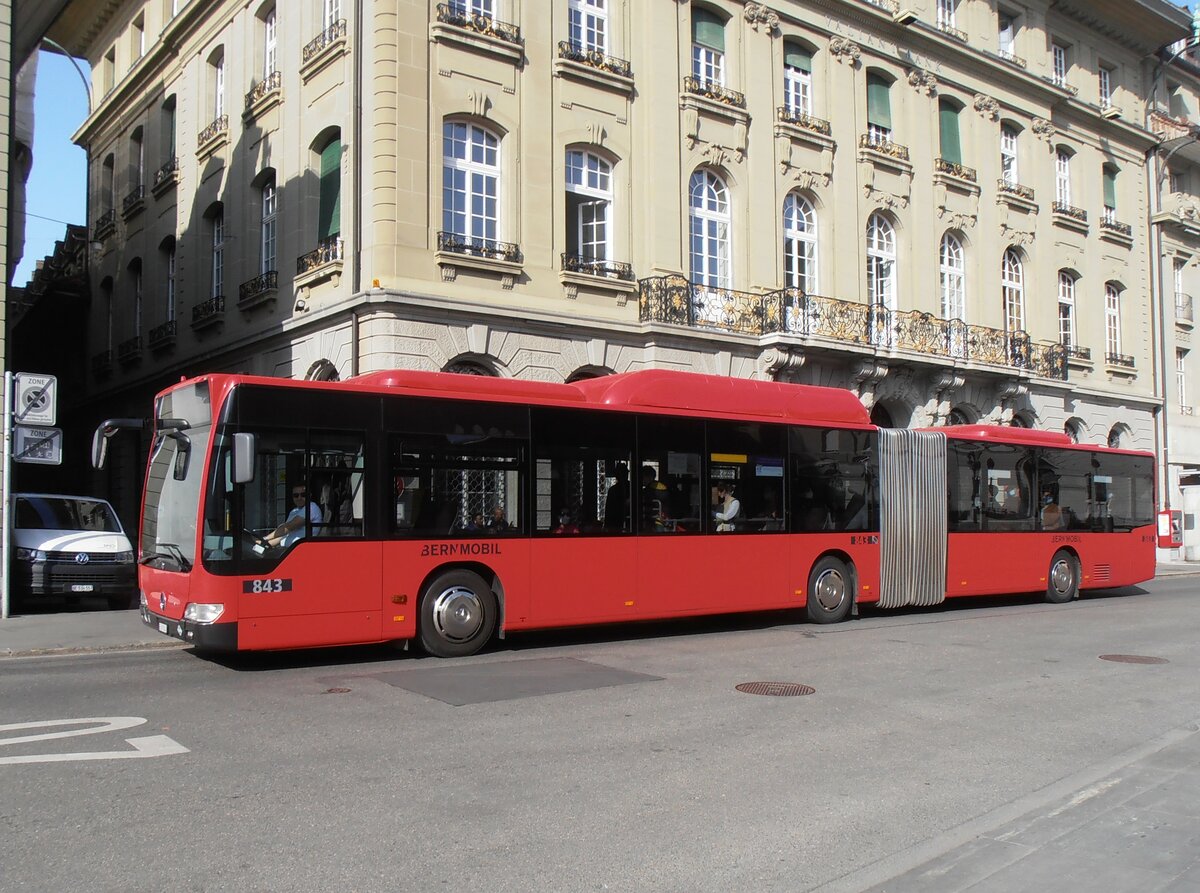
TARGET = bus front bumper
(209,636)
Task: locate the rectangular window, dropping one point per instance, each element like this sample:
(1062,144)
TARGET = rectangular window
(708,47)
(1066,311)
(1110,194)
(581,472)
(830,483)
(745,477)
(170,286)
(1105,77)
(1006,474)
(1007,34)
(1181,376)
(670,499)
(137,301)
(270,208)
(138,38)
(879,110)
(270,42)
(218,88)
(332,12)
(797,81)
(587,25)
(218,255)
(951,145)
(1008,155)
(945,13)
(1058,54)
(1112,321)
(1062,178)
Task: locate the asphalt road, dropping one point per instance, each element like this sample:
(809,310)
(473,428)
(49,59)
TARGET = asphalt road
(601,760)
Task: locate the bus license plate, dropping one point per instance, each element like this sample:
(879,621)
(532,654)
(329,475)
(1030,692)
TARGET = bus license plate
(81,587)
(162,627)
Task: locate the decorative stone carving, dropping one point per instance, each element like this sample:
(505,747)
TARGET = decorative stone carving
(887,200)
(957,219)
(757,14)
(776,361)
(988,107)
(845,51)
(716,155)
(922,81)
(811,179)
(691,127)
(1016,236)
(596,133)
(1043,130)
(481,103)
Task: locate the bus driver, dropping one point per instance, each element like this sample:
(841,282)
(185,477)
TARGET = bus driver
(293,529)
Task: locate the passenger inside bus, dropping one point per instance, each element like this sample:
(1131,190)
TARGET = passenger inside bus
(1052,514)
(726,508)
(565,524)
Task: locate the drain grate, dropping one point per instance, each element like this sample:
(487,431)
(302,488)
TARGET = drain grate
(1134,659)
(775,689)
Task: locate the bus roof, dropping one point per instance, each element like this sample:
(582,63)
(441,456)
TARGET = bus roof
(650,389)
(1020,436)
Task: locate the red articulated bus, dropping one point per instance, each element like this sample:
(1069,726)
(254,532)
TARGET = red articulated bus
(449,508)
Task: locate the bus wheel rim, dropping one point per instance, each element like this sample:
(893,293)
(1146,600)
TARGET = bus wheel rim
(830,589)
(1061,576)
(457,614)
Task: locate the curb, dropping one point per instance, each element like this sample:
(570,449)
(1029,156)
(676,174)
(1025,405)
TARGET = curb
(89,649)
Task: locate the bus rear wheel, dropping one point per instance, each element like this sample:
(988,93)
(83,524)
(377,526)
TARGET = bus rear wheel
(458,614)
(830,591)
(1062,581)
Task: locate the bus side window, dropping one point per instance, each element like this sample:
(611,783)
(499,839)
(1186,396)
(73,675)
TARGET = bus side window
(336,463)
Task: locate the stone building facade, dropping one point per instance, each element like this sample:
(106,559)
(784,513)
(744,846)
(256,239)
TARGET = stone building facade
(939,204)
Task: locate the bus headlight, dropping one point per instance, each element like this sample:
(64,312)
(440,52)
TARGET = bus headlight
(199,613)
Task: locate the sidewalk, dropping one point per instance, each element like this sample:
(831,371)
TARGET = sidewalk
(82,632)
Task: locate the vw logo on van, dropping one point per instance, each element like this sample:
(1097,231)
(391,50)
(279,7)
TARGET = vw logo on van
(82,558)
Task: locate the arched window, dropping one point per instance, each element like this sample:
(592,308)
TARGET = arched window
(1019,421)
(269,206)
(1012,289)
(799,243)
(957,416)
(470,181)
(797,80)
(329,208)
(1009,171)
(587,25)
(708,202)
(1112,323)
(953,276)
(1114,437)
(589,210)
(881,262)
(708,47)
(1066,310)
(1062,177)
(1073,430)
(469,367)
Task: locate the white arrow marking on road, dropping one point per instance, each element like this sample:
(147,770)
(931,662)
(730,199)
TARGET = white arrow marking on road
(149,746)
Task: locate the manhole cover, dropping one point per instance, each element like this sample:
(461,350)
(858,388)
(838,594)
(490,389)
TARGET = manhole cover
(335,691)
(777,689)
(1134,659)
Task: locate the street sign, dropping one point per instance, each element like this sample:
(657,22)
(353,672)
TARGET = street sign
(41,446)
(37,396)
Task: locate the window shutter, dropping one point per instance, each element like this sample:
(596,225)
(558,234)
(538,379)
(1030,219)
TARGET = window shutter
(708,30)
(329,219)
(951,146)
(1110,188)
(796,56)
(879,105)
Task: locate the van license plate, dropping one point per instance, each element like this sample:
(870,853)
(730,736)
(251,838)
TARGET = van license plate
(81,587)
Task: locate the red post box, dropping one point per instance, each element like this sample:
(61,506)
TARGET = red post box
(1170,529)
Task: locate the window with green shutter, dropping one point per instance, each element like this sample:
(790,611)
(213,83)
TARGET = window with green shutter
(329,217)
(879,103)
(950,142)
(708,29)
(796,56)
(1110,187)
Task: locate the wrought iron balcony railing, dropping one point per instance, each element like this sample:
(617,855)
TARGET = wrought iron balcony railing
(876,142)
(951,31)
(808,122)
(328,251)
(892,6)
(1183,306)
(328,37)
(162,335)
(672,299)
(954,169)
(102,363)
(1112,225)
(269,84)
(252,289)
(130,349)
(1069,211)
(1013,58)
(457,15)
(1017,189)
(169,171)
(472,247)
(712,90)
(213,130)
(1119,359)
(608,269)
(593,58)
(1075,352)
(208,311)
(105,223)
(1061,82)
(134,199)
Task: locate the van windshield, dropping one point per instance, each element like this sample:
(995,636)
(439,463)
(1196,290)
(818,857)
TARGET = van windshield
(64,513)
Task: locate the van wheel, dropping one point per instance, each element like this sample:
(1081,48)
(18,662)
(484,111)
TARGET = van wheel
(458,614)
(1062,581)
(830,591)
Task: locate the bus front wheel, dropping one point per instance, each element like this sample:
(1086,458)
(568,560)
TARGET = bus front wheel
(830,591)
(1062,581)
(458,614)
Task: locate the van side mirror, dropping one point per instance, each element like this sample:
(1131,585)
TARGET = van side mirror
(245,449)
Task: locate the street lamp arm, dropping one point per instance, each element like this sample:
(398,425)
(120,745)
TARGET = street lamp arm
(87,85)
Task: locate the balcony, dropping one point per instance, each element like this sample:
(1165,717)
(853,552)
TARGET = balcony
(134,202)
(674,300)
(1075,352)
(323,262)
(264,95)
(954,169)
(877,145)
(952,32)
(1012,58)
(102,364)
(1069,216)
(1119,360)
(889,6)
(472,247)
(162,336)
(608,269)
(213,136)
(165,177)
(1183,308)
(258,290)
(323,42)
(1113,230)
(209,312)
(129,350)
(714,91)
(1060,81)
(594,59)
(453,14)
(1022,192)
(106,225)
(785,115)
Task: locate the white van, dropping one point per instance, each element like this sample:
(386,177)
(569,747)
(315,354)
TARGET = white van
(70,547)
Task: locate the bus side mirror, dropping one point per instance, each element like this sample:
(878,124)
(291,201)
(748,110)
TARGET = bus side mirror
(245,448)
(104,431)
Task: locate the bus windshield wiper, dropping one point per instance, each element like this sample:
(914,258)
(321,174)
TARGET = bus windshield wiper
(171,551)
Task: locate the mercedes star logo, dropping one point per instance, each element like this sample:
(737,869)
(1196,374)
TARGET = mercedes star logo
(82,558)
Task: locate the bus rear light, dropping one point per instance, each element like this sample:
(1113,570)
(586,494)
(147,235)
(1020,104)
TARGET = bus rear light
(199,613)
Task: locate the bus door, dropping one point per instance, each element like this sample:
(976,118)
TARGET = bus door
(309,576)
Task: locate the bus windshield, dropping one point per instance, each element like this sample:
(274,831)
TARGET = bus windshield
(182,422)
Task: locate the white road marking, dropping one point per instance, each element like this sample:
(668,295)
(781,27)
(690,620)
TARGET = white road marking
(148,746)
